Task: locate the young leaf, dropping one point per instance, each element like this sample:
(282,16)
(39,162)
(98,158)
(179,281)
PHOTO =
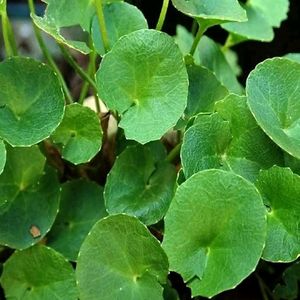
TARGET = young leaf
(2,156)
(280,189)
(29,198)
(38,273)
(121,18)
(79,134)
(31,101)
(273,97)
(140,185)
(215,220)
(213,10)
(120,259)
(144,78)
(81,206)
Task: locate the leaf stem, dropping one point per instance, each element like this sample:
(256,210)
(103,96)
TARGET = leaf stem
(76,66)
(173,153)
(102,26)
(162,15)
(264,288)
(201,30)
(48,56)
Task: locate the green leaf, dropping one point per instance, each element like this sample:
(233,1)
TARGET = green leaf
(2,156)
(275,14)
(144,78)
(280,189)
(140,185)
(273,97)
(120,259)
(38,273)
(212,10)
(121,18)
(293,56)
(290,289)
(212,57)
(31,101)
(256,28)
(81,206)
(215,221)
(204,91)
(79,134)
(29,198)
(229,139)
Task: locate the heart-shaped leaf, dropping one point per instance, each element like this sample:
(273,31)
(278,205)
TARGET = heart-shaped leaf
(145,190)
(280,189)
(81,206)
(273,97)
(215,221)
(144,78)
(33,110)
(120,259)
(29,198)
(79,134)
(121,18)
(38,273)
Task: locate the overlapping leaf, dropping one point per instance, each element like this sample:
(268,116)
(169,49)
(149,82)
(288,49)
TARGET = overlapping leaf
(38,273)
(280,189)
(229,139)
(29,198)
(79,134)
(215,220)
(2,156)
(31,101)
(144,78)
(81,206)
(120,259)
(140,185)
(273,90)
(121,18)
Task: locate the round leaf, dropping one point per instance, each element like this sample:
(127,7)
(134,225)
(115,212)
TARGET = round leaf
(120,19)
(80,134)
(38,273)
(29,198)
(273,97)
(280,189)
(139,185)
(144,78)
(81,206)
(293,56)
(222,11)
(120,259)
(31,101)
(215,231)
(2,156)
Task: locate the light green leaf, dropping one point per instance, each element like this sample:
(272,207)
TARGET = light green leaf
(79,134)
(140,185)
(273,90)
(120,259)
(144,78)
(212,10)
(121,18)
(275,14)
(204,91)
(2,156)
(280,189)
(256,28)
(38,273)
(81,206)
(215,220)
(293,56)
(290,289)
(2,6)
(29,198)
(232,59)
(229,139)
(33,110)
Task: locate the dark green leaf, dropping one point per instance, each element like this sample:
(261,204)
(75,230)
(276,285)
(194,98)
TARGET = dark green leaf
(2,156)
(120,259)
